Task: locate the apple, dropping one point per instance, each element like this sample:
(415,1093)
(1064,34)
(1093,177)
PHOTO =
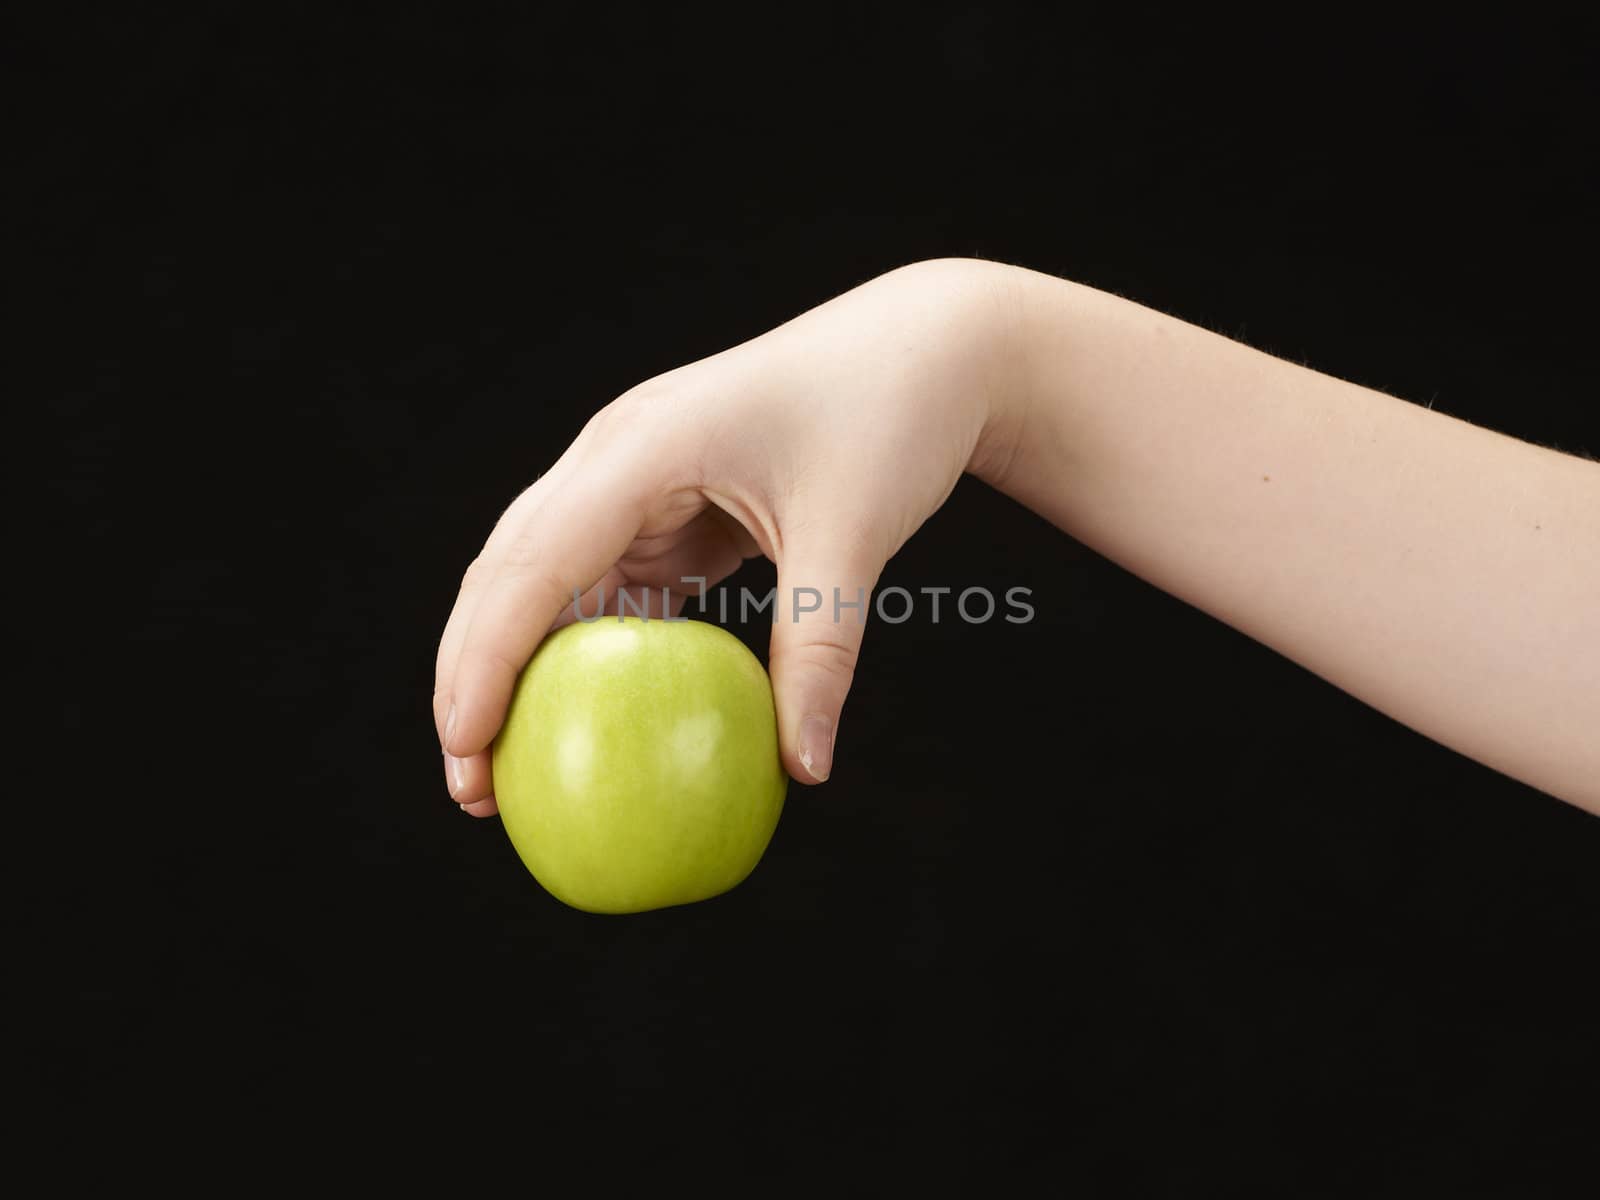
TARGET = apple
(638,764)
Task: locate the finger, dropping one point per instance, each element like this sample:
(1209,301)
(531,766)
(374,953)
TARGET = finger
(578,458)
(477,575)
(482,569)
(824,592)
(468,779)
(565,547)
(481,808)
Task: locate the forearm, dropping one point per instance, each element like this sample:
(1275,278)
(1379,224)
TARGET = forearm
(1446,574)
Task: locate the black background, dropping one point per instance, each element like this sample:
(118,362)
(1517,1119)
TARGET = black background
(1120,895)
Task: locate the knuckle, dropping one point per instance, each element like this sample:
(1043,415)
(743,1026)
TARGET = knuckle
(622,414)
(528,558)
(641,406)
(654,392)
(601,423)
(476,574)
(831,655)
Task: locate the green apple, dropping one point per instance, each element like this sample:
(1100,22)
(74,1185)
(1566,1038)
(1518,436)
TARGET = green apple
(638,764)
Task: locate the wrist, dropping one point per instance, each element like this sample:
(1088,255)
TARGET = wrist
(1004,297)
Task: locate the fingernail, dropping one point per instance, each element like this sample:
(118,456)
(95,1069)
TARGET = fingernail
(449,725)
(816,747)
(458,772)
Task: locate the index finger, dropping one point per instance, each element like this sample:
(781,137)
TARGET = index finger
(562,549)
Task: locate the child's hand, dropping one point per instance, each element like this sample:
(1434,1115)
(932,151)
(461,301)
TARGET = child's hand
(822,444)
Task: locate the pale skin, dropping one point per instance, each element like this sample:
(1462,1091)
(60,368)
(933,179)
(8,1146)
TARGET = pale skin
(1445,574)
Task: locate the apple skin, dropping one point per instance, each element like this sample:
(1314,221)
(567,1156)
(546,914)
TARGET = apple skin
(638,765)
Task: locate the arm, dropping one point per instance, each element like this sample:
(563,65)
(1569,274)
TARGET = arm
(1443,573)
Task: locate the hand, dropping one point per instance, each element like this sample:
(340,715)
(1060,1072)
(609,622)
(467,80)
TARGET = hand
(823,445)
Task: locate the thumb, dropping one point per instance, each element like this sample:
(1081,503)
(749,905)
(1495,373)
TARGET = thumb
(824,595)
